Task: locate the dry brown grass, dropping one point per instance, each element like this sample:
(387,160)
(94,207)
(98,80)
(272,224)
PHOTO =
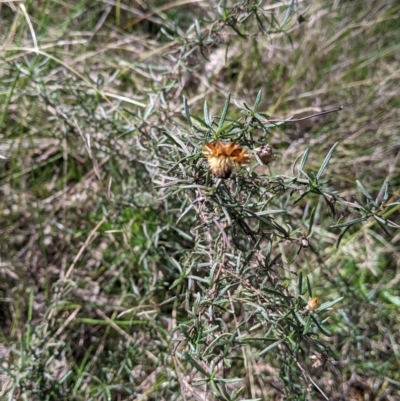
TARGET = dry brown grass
(83,230)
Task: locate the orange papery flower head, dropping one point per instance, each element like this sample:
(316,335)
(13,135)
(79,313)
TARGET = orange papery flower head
(224,158)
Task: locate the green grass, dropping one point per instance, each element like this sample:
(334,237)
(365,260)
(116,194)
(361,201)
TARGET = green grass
(128,272)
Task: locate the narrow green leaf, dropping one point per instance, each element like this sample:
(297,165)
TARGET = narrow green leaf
(197,28)
(287,13)
(199,383)
(380,219)
(223,390)
(326,161)
(303,161)
(195,364)
(194,186)
(260,24)
(234,380)
(234,27)
(275,259)
(207,117)
(224,113)
(263,313)
(211,330)
(176,283)
(10,95)
(301,197)
(349,223)
(251,399)
(187,210)
(187,112)
(177,141)
(176,264)
(364,191)
(196,306)
(273,125)
(307,325)
(386,193)
(268,251)
(268,212)
(383,194)
(277,294)
(214,388)
(245,109)
(201,122)
(328,305)
(182,233)
(149,108)
(309,288)
(300,283)
(299,318)
(326,332)
(221,7)
(273,345)
(294,164)
(310,177)
(381,224)
(394,299)
(385,222)
(341,236)
(258,100)
(311,221)
(197,278)
(393,204)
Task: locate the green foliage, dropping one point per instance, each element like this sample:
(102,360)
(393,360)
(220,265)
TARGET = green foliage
(129,271)
(241,292)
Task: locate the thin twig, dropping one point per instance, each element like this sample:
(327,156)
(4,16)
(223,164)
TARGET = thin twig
(291,120)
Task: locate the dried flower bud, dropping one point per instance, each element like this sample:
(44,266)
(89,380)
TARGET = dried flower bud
(304,242)
(318,360)
(313,303)
(300,19)
(265,154)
